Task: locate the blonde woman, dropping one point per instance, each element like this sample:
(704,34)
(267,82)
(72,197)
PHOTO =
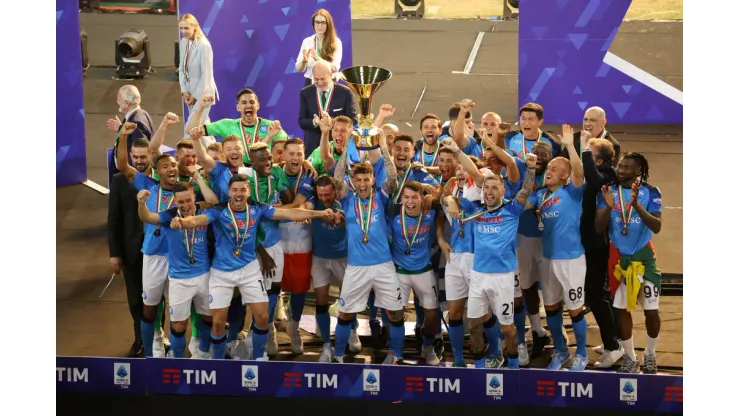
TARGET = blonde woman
(196,69)
(322,45)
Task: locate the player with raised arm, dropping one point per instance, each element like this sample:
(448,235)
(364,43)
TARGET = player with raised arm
(370,265)
(412,226)
(558,207)
(189,267)
(631,228)
(234,265)
(493,279)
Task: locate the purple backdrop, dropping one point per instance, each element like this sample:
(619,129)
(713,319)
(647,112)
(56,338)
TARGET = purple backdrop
(255,44)
(562,45)
(71,158)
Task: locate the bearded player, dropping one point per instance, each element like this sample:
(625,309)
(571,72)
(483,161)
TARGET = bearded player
(427,149)
(493,278)
(189,268)
(558,208)
(631,209)
(370,265)
(155,248)
(234,264)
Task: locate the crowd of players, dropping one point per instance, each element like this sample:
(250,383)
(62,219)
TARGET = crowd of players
(491,223)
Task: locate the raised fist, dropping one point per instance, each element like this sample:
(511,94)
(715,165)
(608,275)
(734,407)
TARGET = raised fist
(170,119)
(196,133)
(142,196)
(386,110)
(128,128)
(531,160)
(208,100)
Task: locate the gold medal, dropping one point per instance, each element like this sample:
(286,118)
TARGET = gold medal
(365,216)
(192,260)
(407,252)
(365,240)
(237,252)
(157,232)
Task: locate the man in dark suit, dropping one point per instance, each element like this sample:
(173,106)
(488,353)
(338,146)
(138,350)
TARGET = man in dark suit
(126,236)
(323,96)
(129,104)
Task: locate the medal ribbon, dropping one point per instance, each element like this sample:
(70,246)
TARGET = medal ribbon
(435,157)
(545,198)
(365,217)
(328,98)
(189,240)
(405,178)
(186,61)
(255,179)
(297,181)
(160,200)
(524,144)
(317,45)
(244,134)
(232,217)
(409,243)
(625,218)
(462,219)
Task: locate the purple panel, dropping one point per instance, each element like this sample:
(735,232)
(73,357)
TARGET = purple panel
(71,156)
(562,45)
(255,44)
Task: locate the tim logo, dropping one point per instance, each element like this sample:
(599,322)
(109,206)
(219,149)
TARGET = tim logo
(422,230)
(546,388)
(252,221)
(434,384)
(364,207)
(313,380)
(495,386)
(491,220)
(250,377)
(553,201)
(575,389)
(197,377)
(628,390)
(122,374)
(371,381)
(674,393)
(72,375)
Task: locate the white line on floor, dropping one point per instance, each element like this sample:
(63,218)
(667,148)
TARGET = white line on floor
(419,102)
(473,53)
(102,189)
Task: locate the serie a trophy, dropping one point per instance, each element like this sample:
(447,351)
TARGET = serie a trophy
(365,81)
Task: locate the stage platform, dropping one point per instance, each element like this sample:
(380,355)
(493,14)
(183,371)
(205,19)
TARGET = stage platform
(91,325)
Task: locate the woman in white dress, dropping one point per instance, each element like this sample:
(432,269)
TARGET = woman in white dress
(196,69)
(323,44)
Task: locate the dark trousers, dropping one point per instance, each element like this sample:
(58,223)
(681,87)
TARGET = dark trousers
(598,296)
(134,288)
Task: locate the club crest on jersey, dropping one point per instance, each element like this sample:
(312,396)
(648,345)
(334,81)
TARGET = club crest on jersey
(263,129)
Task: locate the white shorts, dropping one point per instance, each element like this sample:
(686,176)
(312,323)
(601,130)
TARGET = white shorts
(276,252)
(425,288)
(532,265)
(359,280)
(492,292)
(647,298)
(154,279)
(457,275)
(567,277)
(248,280)
(184,292)
(327,271)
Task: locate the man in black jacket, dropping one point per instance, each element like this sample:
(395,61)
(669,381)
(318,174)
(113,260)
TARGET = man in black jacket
(126,235)
(129,104)
(598,156)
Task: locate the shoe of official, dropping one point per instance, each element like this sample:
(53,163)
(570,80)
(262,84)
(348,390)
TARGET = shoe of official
(158,348)
(538,344)
(296,343)
(327,352)
(629,365)
(272,346)
(193,345)
(338,360)
(263,358)
(523,354)
(579,363)
(439,347)
(459,364)
(354,343)
(391,359)
(137,349)
(608,358)
(430,356)
(375,334)
(651,364)
(559,360)
(418,340)
(494,362)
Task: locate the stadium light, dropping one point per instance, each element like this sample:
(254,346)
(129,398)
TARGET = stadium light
(509,14)
(133,59)
(409,8)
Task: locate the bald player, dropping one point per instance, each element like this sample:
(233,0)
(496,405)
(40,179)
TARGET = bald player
(594,122)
